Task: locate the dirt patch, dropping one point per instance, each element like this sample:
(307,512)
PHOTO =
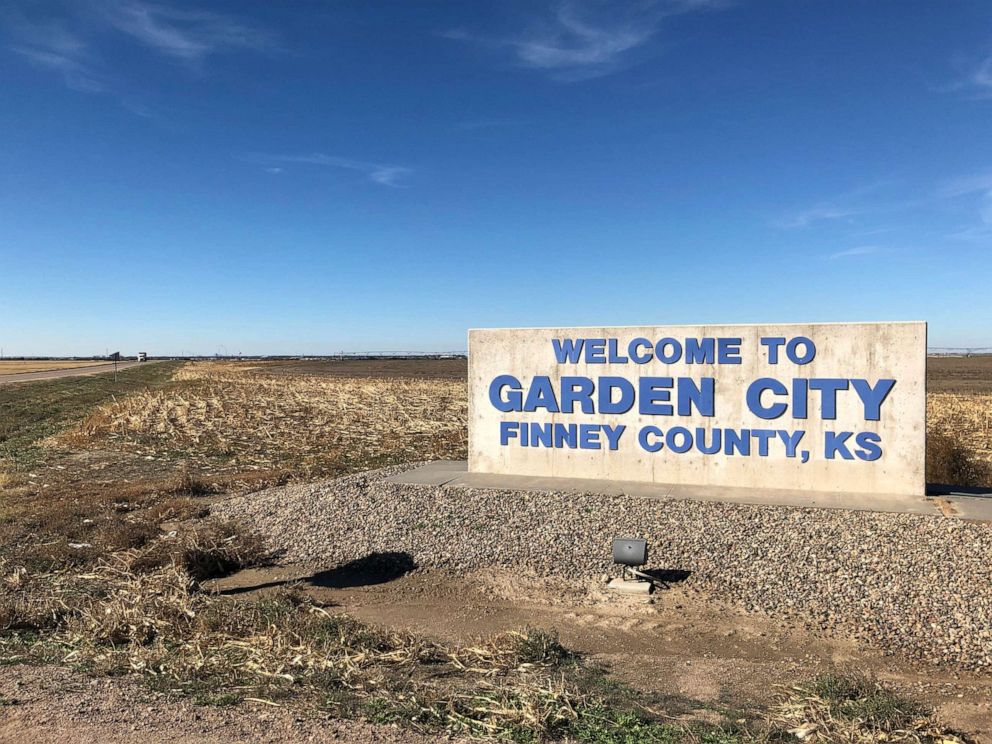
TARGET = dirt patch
(20,366)
(680,643)
(39,705)
(448,369)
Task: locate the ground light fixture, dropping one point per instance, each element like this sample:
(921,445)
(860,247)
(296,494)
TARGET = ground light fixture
(630,554)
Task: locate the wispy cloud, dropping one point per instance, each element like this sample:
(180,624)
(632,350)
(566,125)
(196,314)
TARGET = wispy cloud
(821,213)
(76,73)
(582,41)
(844,207)
(974,76)
(394,176)
(185,35)
(969,195)
(180,35)
(981,76)
(861,250)
(976,192)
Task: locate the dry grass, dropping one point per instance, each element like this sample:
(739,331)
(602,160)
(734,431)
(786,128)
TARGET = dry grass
(16,367)
(857,710)
(256,421)
(967,417)
(959,439)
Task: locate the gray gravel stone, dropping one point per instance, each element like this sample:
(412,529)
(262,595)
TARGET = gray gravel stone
(918,586)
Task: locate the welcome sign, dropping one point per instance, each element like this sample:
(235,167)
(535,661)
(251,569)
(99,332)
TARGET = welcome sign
(824,407)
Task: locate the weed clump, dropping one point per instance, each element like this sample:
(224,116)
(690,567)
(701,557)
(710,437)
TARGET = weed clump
(856,708)
(951,462)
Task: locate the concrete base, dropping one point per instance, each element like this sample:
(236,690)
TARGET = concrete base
(455,473)
(626,586)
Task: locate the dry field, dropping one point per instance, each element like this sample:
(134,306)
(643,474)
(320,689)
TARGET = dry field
(15,367)
(106,542)
(247,418)
(332,417)
(960,374)
(966,418)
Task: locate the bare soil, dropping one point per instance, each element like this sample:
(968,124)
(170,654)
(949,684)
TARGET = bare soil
(456,369)
(964,374)
(46,704)
(17,366)
(679,643)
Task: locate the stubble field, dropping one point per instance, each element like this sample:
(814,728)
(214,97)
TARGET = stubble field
(17,366)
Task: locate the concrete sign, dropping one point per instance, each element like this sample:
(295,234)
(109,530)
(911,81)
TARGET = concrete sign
(822,407)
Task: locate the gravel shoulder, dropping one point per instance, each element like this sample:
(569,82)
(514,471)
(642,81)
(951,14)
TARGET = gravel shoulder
(919,587)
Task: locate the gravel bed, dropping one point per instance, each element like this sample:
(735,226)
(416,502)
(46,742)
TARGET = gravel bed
(919,586)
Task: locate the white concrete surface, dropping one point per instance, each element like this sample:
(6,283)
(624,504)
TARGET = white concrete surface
(869,351)
(454,473)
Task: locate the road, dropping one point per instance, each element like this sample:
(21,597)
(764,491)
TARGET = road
(49,374)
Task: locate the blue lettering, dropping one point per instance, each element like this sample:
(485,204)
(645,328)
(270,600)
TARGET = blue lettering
(589,436)
(791,441)
(873,397)
(763,435)
(837,444)
(689,395)
(716,439)
(868,441)
(739,440)
(828,387)
(800,399)
(754,391)
(700,351)
(512,402)
(794,356)
(595,351)
(565,435)
(670,357)
(635,345)
(729,350)
(615,356)
(606,387)
(650,431)
(684,434)
(507,431)
(613,434)
(567,350)
(541,395)
(540,435)
(577,390)
(653,396)
(773,343)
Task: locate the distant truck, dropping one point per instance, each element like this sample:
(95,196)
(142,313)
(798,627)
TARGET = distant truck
(142,356)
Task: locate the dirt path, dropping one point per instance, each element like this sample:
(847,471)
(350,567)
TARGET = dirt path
(680,643)
(96,369)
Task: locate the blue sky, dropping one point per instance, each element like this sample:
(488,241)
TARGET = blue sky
(309,177)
